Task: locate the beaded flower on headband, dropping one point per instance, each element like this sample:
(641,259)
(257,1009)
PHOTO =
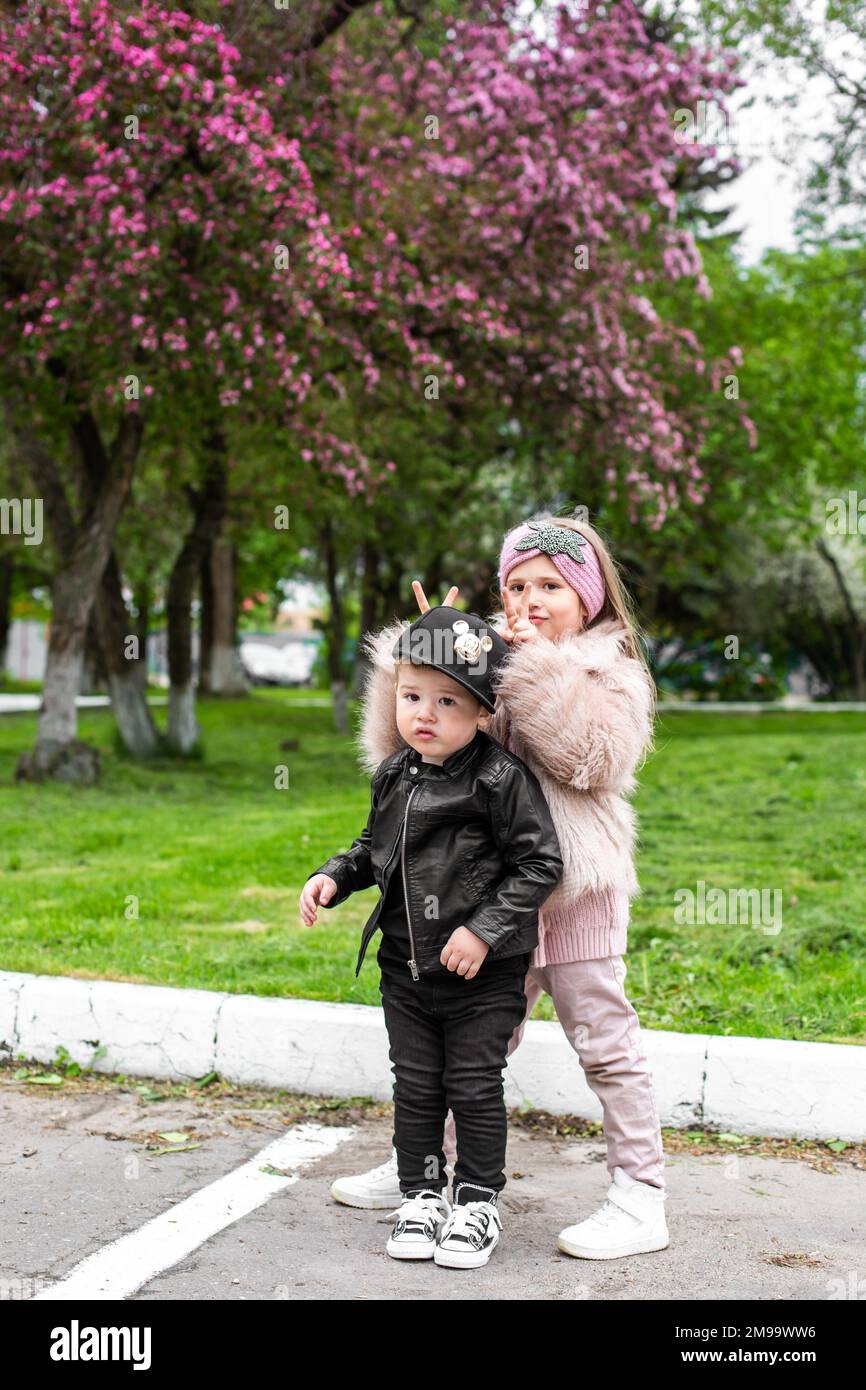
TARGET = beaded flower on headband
(554,540)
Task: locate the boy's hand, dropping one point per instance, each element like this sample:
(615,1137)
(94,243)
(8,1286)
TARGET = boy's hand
(464,952)
(421,597)
(319,889)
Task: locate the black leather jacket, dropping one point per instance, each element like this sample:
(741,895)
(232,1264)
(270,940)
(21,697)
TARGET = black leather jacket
(473,840)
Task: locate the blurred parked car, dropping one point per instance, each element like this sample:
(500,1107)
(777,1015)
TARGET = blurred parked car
(266,663)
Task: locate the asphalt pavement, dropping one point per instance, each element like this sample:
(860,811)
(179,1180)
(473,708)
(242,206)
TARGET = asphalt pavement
(89,1207)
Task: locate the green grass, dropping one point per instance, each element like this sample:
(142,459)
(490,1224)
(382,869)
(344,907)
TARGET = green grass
(212,856)
(9,686)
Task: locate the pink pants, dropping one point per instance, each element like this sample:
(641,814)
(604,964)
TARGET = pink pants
(603,1028)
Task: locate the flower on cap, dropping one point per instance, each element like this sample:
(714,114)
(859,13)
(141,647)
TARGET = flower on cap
(467,645)
(553,540)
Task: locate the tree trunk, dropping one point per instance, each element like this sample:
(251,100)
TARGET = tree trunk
(124,666)
(856,626)
(227,676)
(82,548)
(141,599)
(335,632)
(392,600)
(369,598)
(70,610)
(7,569)
(183,727)
(183,731)
(58,754)
(205,624)
(208,508)
(93,676)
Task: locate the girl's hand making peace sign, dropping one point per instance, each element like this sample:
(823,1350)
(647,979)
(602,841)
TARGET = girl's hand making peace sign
(520,629)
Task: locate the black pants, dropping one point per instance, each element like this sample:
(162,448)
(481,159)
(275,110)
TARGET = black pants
(448,1038)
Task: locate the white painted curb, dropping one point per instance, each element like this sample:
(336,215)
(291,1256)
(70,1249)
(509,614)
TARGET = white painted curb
(745,1085)
(790,705)
(29,704)
(23,704)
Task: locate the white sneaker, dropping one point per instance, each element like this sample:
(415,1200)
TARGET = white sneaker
(420,1218)
(631,1222)
(375,1190)
(469,1236)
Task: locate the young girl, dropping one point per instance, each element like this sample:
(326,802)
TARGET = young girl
(575,701)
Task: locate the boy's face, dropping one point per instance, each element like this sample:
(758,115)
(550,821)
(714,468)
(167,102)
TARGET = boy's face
(435,714)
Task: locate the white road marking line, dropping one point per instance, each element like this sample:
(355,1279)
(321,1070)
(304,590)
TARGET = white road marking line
(125,1265)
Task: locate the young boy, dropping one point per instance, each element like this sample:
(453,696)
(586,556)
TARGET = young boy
(461,844)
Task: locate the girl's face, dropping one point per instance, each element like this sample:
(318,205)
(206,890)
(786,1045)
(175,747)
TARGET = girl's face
(554,607)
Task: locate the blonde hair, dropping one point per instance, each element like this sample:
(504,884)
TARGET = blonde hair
(617,603)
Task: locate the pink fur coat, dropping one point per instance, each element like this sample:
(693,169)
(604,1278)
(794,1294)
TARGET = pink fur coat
(578,711)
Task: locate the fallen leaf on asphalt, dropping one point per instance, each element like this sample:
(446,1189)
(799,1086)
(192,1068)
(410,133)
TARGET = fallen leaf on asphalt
(178,1149)
(795,1259)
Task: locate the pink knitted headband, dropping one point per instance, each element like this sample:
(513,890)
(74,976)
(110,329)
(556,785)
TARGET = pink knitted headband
(570,552)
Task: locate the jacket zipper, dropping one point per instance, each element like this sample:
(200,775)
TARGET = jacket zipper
(393,848)
(411,962)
